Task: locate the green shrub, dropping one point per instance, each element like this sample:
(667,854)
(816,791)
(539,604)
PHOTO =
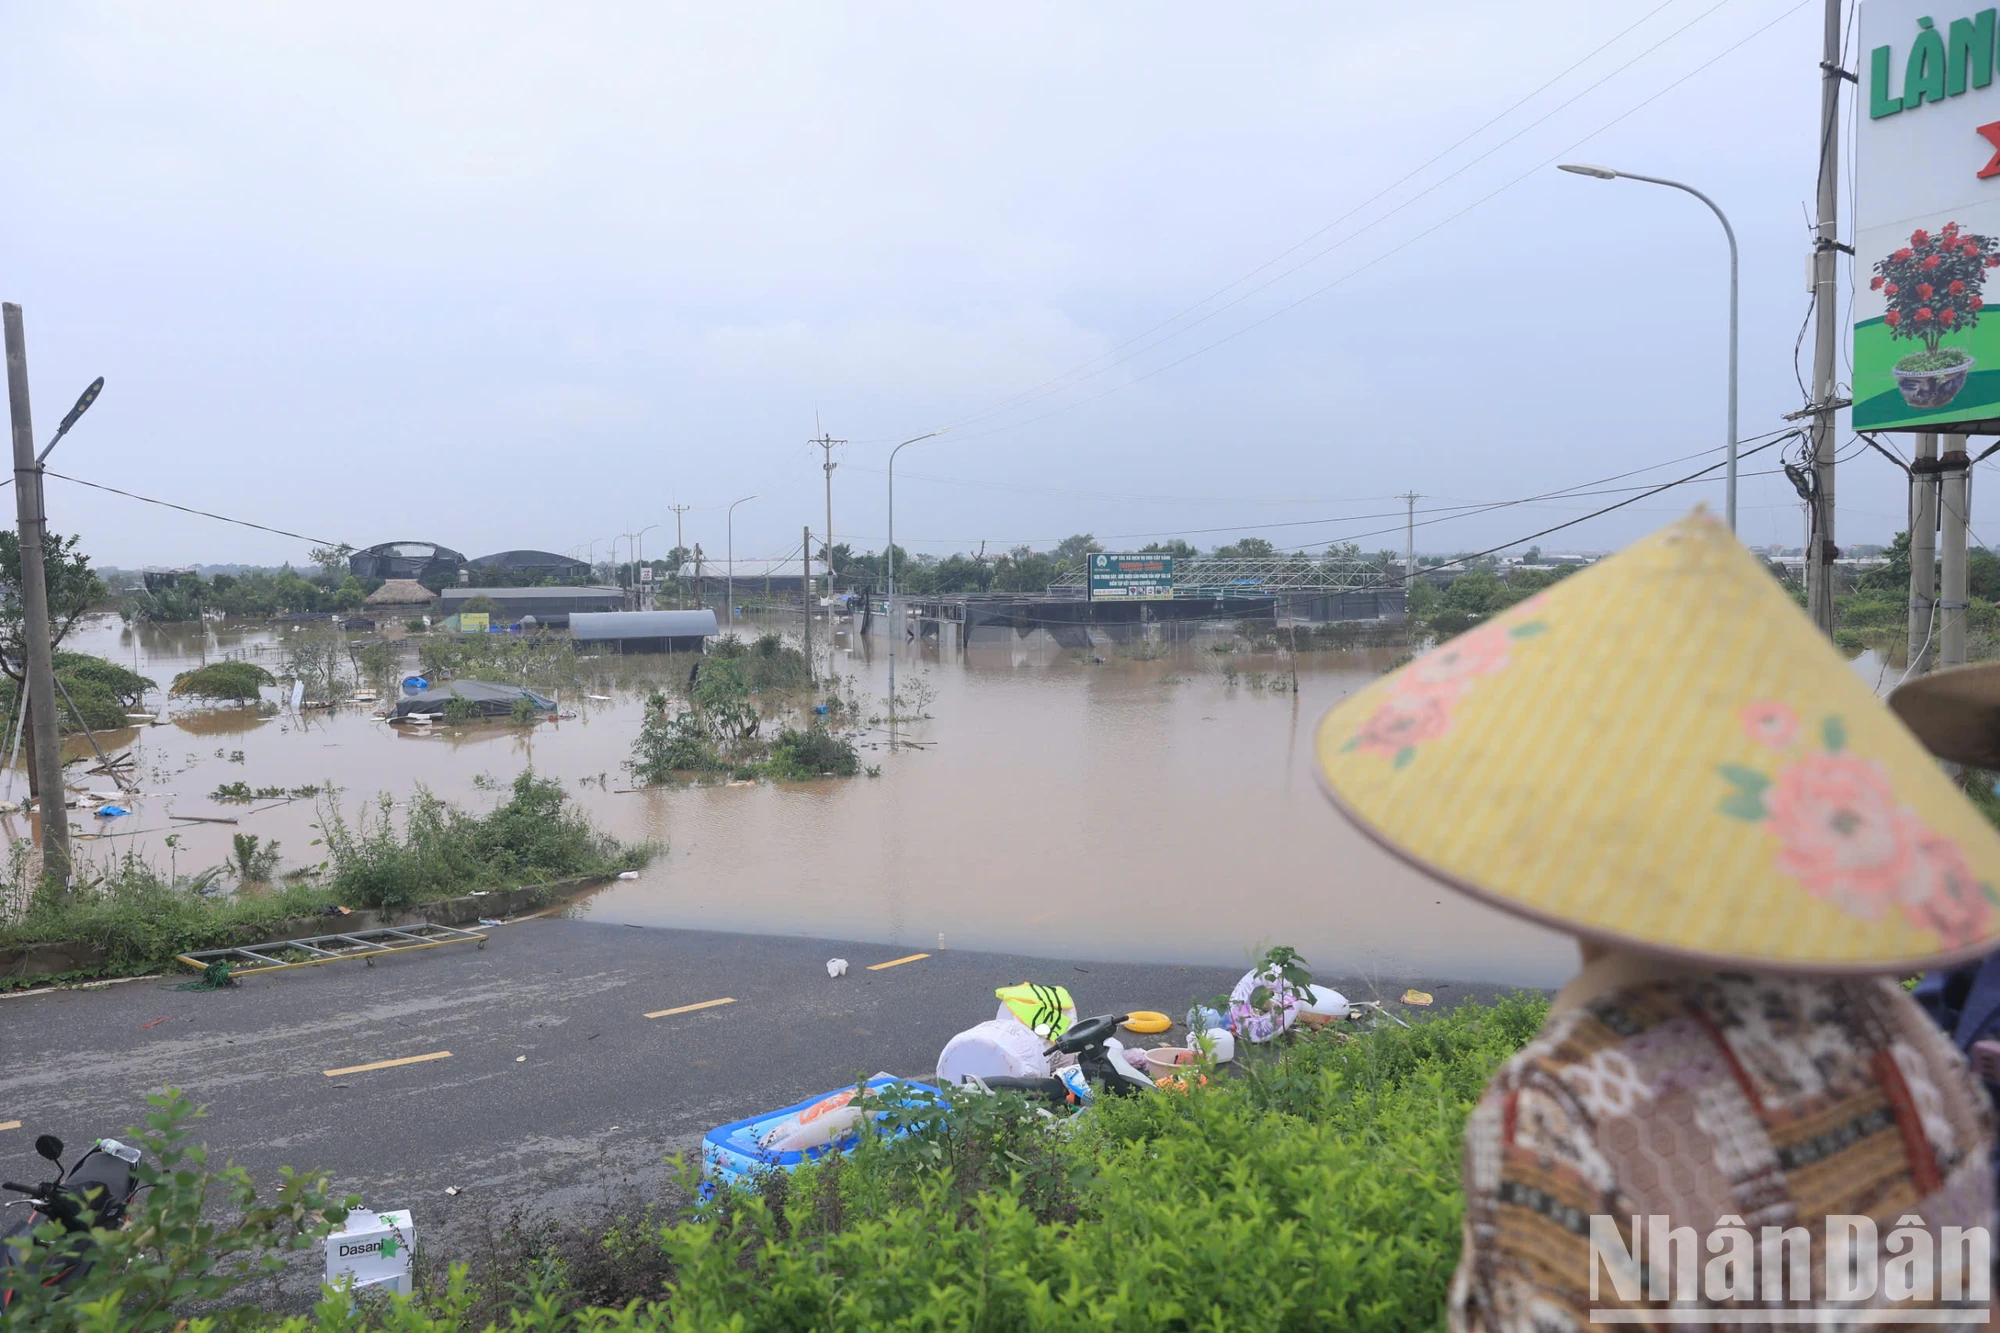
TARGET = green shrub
(1315,1187)
(459,710)
(142,920)
(524,713)
(195,1239)
(224,680)
(670,744)
(1315,1190)
(814,752)
(532,837)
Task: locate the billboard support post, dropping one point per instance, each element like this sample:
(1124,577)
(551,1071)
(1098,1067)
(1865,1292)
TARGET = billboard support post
(1953,473)
(1923,553)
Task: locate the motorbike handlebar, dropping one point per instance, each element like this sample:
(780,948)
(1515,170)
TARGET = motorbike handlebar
(19,1188)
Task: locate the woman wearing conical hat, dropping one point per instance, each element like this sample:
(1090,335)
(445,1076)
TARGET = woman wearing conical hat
(1661,757)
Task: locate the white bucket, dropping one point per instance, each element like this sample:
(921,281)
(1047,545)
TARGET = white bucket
(997,1048)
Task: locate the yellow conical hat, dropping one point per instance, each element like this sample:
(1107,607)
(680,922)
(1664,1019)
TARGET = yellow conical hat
(1661,752)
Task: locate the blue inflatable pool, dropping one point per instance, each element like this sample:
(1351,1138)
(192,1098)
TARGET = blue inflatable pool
(736,1152)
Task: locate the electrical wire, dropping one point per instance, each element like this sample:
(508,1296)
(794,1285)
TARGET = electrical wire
(202,513)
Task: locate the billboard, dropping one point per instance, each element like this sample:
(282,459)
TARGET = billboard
(1927,219)
(1142,574)
(473,622)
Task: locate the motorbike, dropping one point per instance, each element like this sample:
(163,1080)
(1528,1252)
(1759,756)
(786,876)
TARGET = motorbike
(96,1191)
(1099,1067)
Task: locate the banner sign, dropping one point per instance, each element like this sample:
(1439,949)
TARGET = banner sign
(1927,219)
(1144,574)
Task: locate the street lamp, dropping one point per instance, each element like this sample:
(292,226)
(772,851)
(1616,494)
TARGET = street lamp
(895,621)
(1609,173)
(729,524)
(639,557)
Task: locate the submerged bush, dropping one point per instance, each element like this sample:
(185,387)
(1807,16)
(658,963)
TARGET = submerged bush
(812,753)
(224,680)
(671,743)
(532,837)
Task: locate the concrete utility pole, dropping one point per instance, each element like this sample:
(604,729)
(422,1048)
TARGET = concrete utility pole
(1923,554)
(806,587)
(1954,476)
(1409,499)
(1826,333)
(826,443)
(45,753)
(680,584)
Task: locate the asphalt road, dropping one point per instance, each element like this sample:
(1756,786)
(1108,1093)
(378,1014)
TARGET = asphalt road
(558,1091)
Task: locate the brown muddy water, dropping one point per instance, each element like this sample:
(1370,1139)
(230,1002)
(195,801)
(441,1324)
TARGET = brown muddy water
(1139,810)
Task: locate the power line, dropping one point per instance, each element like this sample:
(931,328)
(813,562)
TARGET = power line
(202,513)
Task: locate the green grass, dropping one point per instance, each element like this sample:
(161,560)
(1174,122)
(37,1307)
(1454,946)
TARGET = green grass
(142,918)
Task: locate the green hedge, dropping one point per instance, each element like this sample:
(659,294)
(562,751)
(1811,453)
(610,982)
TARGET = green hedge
(1311,1187)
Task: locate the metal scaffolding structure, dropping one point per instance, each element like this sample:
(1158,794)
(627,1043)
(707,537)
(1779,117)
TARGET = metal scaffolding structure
(1212,576)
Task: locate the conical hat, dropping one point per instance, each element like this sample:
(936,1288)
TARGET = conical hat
(1955,712)
(1661,753)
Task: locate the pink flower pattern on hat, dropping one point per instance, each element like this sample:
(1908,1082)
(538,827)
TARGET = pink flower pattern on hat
(1422,695)
(1845,838)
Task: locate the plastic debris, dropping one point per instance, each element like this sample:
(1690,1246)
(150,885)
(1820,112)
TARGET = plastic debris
(489,921)
(628,874)
(1417,998)
(1277,1013)
(451,1189)
(1222,1045)
(1326,1002)
(1201,1018)
(836,967)
(999,1047)
(111,811)
(520,1059)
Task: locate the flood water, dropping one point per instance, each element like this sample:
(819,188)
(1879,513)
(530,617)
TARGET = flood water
(1144,810)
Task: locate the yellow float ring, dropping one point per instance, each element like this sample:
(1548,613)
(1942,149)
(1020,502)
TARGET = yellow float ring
(1147,1020)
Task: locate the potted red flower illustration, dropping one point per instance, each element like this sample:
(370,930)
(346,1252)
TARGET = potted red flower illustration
(1933,289)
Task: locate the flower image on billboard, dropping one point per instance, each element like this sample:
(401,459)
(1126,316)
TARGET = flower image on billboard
(1927,219)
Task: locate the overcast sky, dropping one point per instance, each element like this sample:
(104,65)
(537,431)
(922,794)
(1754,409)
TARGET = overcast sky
(504,275)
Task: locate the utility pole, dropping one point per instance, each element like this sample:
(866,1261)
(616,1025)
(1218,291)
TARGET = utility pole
(1954,476)
(45,754)
(806,596)
(1923,553)
(1826,310)
(680,584)
(1409,499)
(826,443)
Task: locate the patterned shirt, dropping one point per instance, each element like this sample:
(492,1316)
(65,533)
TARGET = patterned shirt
(1747,1108)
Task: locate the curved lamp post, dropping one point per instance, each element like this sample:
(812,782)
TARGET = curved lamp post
(730,526)
(895,621)
(1611,173)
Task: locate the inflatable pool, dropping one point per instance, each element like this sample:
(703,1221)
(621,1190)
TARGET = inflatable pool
(780,1140)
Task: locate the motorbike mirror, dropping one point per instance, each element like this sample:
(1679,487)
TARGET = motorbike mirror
(49,1146)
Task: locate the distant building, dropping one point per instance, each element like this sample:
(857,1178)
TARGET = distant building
(644,631)
(550,607)
(529,567)
(405,560)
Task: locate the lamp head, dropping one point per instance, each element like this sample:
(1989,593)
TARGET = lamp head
(1586,169)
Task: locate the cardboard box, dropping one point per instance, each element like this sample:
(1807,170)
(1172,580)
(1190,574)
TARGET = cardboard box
(372,1250)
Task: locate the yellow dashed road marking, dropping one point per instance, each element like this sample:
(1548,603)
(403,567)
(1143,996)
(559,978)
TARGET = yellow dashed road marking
(690,1008)
(388,1064)
(896,962)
